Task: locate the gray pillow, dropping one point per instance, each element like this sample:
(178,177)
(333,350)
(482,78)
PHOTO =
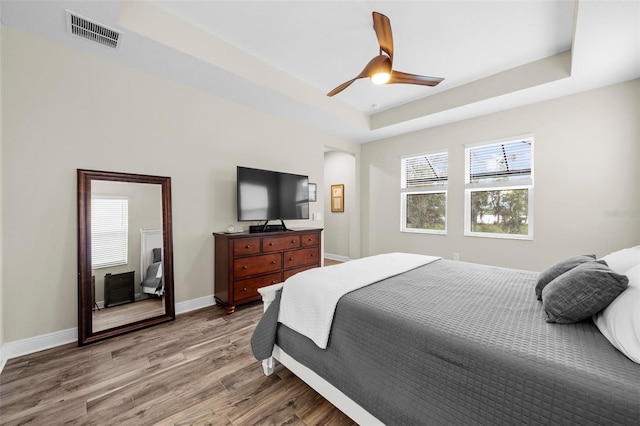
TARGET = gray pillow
(151,279)
(581,292)
(554,271)
(157,255)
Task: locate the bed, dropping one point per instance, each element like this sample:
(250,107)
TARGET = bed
(453,343)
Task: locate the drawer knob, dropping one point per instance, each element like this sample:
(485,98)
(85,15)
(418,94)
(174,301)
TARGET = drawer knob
(293,241)
(247,246)
(273,262)
(291,259)
(244,289)
(244,267)
(270,244)
(312,254)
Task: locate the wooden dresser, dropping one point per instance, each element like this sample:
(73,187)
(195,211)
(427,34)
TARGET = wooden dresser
(245,262)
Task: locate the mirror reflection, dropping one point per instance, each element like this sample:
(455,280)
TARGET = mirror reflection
(126,253)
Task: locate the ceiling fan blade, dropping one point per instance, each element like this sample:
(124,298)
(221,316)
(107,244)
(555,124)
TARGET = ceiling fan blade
(398,77)
(382,27)
(342,87)
(380,62)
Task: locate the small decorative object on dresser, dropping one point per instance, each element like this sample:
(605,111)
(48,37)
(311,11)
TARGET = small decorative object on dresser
(246,261)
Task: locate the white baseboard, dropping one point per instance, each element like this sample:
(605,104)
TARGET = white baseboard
(39,343)
(58,338)
(3,359)
(193,304)
(337,257)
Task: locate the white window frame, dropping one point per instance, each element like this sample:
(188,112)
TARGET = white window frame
(426,189)
(527,184)
(120,254)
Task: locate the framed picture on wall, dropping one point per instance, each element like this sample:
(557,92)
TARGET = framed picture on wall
(313,190)
(337,198)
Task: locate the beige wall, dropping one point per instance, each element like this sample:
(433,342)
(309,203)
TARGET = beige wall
(2,357)
(587,181)
(340,168)
(69,110)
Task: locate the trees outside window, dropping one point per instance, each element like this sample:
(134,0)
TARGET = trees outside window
(427,211)
(500,211)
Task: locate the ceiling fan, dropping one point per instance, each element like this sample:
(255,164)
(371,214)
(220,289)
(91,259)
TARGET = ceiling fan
(379,69)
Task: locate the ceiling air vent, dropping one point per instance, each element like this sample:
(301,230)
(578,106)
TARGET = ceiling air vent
(91,30)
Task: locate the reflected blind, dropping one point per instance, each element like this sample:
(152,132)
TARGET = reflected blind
(505,162)
(109,231)
(425,170)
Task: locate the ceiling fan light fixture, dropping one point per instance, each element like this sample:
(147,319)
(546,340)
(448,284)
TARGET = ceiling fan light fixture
(379,69)
(380,77)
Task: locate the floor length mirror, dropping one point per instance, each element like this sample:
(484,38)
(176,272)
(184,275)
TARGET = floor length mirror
(125,253)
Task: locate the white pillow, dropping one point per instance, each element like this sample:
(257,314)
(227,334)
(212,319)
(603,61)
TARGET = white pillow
(623,260)
(620,321)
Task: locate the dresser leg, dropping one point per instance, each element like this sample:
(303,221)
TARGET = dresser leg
(231,309)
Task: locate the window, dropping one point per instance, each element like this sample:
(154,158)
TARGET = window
(499,189)
(424,193)
(109,232)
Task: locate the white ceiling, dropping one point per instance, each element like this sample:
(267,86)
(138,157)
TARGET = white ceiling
(284,56)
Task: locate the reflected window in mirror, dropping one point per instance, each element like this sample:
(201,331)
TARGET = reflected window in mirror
(109,231)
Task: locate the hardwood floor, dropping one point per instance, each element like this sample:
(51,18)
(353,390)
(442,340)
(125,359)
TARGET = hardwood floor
(111,317)
(196,370)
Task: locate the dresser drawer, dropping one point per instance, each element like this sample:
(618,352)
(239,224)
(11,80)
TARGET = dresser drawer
(246,246)
(294,271)
(248,288)
(301,257)
(247,266)
(309,240)
(280,243)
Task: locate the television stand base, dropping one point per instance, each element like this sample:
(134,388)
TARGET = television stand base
(268,228)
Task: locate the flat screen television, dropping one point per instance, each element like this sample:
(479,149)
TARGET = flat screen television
(265,195)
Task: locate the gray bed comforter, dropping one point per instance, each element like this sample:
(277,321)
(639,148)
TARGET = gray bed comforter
(458,343)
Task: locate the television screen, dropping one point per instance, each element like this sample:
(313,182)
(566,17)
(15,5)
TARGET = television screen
(269,195)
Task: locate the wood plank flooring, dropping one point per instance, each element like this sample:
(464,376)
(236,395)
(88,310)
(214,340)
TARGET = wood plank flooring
(196,370)
(114,316)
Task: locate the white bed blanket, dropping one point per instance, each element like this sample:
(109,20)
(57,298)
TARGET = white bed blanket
(309,298)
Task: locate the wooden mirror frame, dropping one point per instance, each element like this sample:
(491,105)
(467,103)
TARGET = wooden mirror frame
(85,324)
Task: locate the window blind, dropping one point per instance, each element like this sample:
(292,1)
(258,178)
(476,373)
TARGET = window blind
(425,170)
(505,162)
(109,231)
